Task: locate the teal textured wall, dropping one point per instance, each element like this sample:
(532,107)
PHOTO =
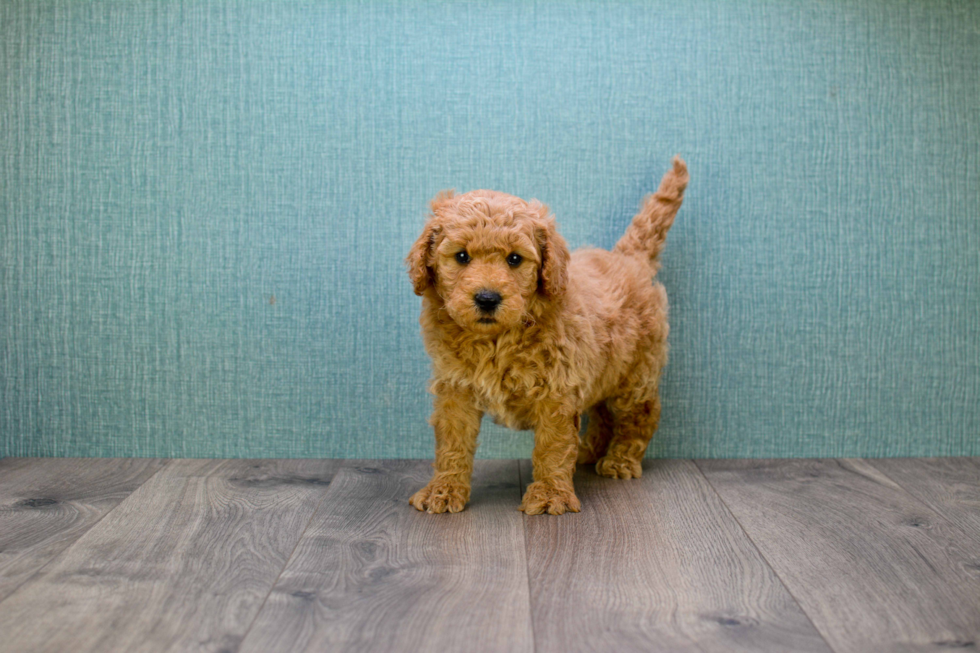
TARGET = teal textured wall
(205,206)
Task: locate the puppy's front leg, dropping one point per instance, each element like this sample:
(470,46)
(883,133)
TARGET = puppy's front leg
(456,422)
(555,450)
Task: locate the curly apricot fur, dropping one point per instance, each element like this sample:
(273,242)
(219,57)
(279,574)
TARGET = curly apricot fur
(571,334)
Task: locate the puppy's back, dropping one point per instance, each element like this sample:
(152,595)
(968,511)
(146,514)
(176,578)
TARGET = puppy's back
(616,287)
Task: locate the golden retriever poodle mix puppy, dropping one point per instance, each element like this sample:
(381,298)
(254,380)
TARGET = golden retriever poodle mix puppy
(519,328)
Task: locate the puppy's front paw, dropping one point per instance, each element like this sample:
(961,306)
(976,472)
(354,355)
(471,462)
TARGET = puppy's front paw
(618,468)
(541,498)
(441,496)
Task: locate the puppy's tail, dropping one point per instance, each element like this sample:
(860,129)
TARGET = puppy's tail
(647,235)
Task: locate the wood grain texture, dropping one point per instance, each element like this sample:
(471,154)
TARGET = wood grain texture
(184,563)
(873,567)
(374,574)
(48,503)
(655,564)
(950,486)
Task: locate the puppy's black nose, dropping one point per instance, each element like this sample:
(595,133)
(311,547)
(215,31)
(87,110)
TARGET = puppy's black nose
(487,300)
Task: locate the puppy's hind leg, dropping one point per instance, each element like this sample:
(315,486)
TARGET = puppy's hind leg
(594,442)
(633,428)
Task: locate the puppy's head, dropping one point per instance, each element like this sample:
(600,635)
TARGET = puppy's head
(488,257)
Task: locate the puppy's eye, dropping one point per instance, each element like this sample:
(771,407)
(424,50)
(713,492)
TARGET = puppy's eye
(514,260)
(462,258)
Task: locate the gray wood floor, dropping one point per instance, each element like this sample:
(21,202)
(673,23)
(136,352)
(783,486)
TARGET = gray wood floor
(324,555)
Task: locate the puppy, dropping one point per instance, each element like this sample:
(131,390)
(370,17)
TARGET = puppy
(519,328)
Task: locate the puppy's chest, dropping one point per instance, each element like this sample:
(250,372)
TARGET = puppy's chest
(506,400)
(506,385)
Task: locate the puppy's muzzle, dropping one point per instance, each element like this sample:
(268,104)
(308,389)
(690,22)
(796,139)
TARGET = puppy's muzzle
(487,301)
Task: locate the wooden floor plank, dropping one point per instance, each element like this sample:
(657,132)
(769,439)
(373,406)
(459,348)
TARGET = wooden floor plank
(374,574)
(950,486)
(184,563)
(48,503)
(655,564)
(874,568)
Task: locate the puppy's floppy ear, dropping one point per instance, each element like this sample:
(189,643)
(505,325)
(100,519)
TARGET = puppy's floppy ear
(417,260)
(553,275)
